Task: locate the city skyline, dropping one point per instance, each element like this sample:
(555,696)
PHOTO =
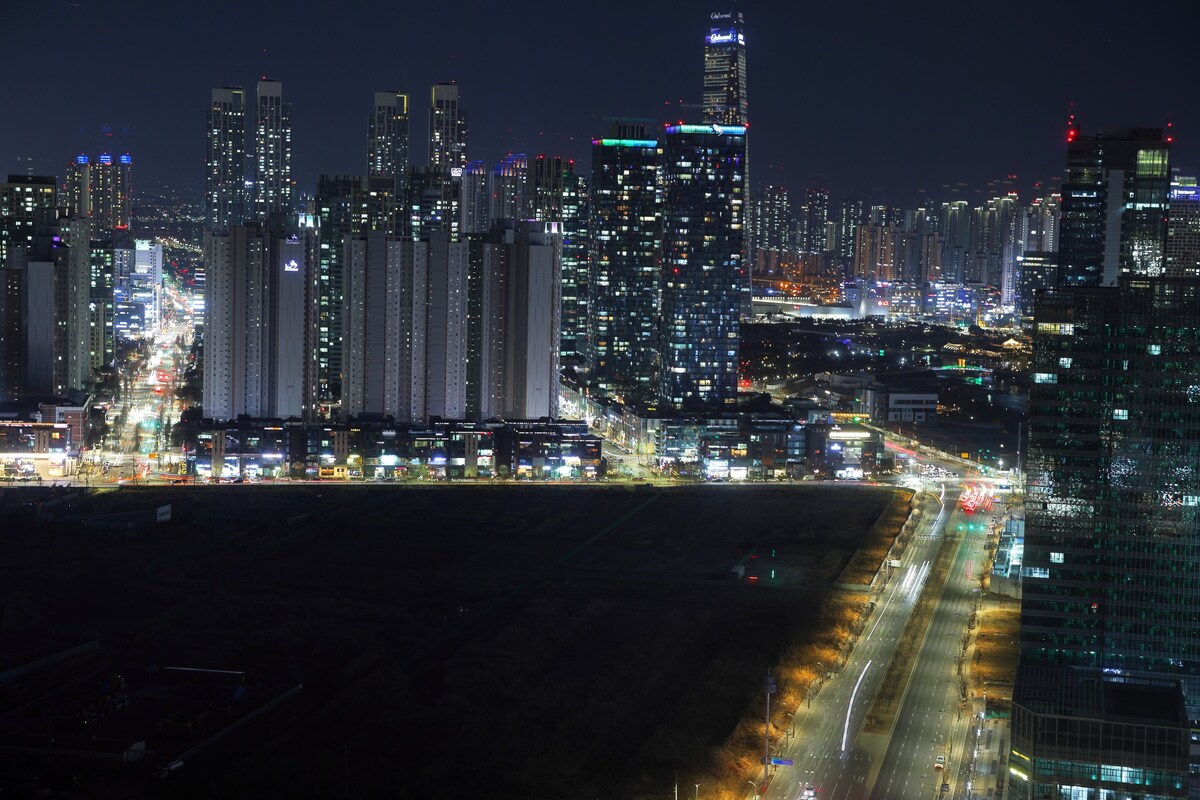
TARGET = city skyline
(815,109)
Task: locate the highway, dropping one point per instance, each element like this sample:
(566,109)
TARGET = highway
(932,721)
(825,749)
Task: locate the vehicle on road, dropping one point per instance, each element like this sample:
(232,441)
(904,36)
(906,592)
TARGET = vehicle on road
(809,791)
(939,762)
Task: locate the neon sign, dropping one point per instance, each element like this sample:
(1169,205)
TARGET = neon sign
(721,38)
(291,266)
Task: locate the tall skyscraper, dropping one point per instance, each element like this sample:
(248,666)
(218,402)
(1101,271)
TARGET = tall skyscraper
(387,139)
(99,191)
(724,100)
(624,277)
(1109,677)
(518,357)
(1182,252)
(956,238)
(770,227)
(261,315)
(20,198)
(1041,224)
(703,273)
(339,209)
(1114,206)
(510,188)
(225,162)
(47,308)
(447,129)
(476,199)
(1108,684)
(849,218)
(816,212)
(272,151)
(434,203)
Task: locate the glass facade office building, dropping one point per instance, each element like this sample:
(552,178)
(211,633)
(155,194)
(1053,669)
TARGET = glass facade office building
(624,274)
(1110,625)
(703,272)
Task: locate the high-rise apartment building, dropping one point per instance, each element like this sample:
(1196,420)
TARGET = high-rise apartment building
(1041,224)
(724,99)
(1182,251)
(1114,206)
(447,129)
(225,160)
(434,203)
(816,213)
(557,194)
(99,191)
(387,140)
(624,277)
(341,215)
(517,363)
(47,308)
(510,188)
(850,217)
(476,199)
(260,346)
(575,247)
(703,274)
(272,151)
(955,224)
(770,227)
(20,198)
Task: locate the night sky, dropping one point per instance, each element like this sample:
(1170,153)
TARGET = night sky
(877,99)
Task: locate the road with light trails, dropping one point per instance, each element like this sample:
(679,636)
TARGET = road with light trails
(824,749)
(930,722)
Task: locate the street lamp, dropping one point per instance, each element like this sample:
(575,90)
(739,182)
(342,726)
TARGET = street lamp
(754,787)
(697,791)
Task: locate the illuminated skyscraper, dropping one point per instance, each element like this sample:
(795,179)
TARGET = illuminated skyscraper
(1183,229)
(816,213)
(447,129)
(703,274)
(770,227)
(225,162)
(20,198)
(1114,206)
(1041,224)
(387,140)
(1108,685)
(99,191)
(272,151)
(724,99)
(624,277)
(510,188)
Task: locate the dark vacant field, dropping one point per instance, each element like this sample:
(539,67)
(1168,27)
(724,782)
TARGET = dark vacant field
(509,642)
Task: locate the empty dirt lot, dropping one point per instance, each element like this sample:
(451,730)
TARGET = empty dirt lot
(504,642)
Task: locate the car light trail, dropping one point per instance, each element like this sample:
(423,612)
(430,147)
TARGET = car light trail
(850,708)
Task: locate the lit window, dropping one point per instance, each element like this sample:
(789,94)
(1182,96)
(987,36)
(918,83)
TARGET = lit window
(1154,349)
(1065,363)
(1045,377)
(1120,413)
(1037,572)
(1056,558)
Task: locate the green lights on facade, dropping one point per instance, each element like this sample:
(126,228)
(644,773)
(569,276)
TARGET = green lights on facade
(625,142)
